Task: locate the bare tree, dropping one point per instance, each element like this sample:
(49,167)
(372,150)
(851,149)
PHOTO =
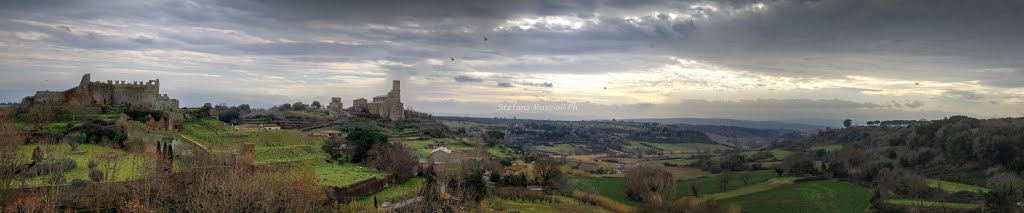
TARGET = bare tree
(723,180)
(649,182)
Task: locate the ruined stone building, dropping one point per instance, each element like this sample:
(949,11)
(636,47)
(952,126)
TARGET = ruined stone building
(130,95)
(336,108)
(359,105)
(386,106)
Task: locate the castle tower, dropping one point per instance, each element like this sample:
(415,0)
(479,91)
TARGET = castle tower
(84,85)
(396,91)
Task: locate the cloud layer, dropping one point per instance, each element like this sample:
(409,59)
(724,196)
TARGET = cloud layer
(737,59)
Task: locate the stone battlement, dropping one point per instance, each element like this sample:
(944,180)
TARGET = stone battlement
(143,95)
(150,83)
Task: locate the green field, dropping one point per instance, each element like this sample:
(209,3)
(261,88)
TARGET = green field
(678,161)
(815,196)
(672,147)
(709,184)
(762,186)
(953,187)
(332,174)
(278,154)
(500,151)
(405,190)
(420,147)
(121,164)
(828,148)
(272,146)
(562,149)
(614,187)
(564,204)
(776,153)
(932,204)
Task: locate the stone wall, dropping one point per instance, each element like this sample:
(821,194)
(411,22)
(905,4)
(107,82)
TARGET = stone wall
(336,108)
(389,106)
(359,105)
(133,95)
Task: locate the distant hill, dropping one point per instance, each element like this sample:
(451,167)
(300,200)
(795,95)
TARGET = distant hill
(732,122)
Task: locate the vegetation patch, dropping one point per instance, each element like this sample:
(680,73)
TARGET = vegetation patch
(827,148)
(333,174)
(816,196)
(563,204)
(710,184)
(763,186)
(116,164)
(953,187)
(405,190)
(219,137)
(932,204)
(561,149)
(612,188)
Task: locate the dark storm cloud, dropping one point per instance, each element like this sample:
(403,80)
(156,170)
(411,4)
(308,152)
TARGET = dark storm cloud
(463,79)
(542,84)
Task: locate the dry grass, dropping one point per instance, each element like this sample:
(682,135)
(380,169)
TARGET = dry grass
(603,202)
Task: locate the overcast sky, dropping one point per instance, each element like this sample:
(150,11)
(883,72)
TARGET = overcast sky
(756,60)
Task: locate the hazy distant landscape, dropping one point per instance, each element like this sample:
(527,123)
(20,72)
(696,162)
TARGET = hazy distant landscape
(546,106)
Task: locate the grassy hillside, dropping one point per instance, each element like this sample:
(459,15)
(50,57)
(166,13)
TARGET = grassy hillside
(332,174)
(272,146)
(116,164)
(709,184)
(816,196)
(614,187)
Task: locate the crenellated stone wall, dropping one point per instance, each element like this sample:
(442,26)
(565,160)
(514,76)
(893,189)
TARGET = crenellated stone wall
(133,95)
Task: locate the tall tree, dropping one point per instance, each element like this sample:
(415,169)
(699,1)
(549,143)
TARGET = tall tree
(299,106)
(315,105)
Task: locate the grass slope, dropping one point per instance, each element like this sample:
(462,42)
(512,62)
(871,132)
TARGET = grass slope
(953,187)
(828,148)
(332,174)
(405,190)
(121,164)
(272,146)
(565,204)
(709,184)
(815,196)
(760,187)
(932,204)
(614,188)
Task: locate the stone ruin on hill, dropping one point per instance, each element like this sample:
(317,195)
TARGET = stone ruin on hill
(134,95)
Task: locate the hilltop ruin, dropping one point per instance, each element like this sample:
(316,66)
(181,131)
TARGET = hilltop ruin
(135,95)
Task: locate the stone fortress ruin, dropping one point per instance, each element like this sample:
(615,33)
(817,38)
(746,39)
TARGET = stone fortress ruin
(135,95)
(388,106)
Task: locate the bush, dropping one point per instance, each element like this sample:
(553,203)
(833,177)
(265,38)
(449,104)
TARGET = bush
(359,143)
(140,115)
(79,183)
(646,183)
(95,175)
